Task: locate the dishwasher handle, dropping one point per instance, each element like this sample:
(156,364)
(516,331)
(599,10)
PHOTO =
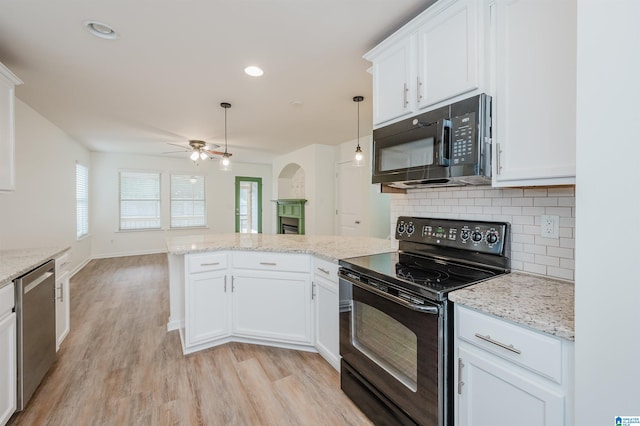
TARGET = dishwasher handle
(42,278)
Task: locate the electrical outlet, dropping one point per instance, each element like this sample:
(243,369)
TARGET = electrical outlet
(549,226)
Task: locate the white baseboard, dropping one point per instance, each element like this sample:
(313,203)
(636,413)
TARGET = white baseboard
(128,253)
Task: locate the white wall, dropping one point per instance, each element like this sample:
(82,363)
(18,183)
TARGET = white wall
(220,196)
(317,161)
(42,210)
(607,357)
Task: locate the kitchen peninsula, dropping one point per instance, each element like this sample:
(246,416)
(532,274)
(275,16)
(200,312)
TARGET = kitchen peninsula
(279,290)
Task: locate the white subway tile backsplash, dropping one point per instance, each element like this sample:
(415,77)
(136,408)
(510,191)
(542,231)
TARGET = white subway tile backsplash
(535,192)
(522,207)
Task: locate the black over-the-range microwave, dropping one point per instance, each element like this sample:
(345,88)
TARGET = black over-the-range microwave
(447,146)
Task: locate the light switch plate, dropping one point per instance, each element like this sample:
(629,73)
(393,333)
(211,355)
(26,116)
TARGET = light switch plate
(549,225)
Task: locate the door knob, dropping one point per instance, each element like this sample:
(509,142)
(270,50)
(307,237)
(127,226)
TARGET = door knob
(357,222)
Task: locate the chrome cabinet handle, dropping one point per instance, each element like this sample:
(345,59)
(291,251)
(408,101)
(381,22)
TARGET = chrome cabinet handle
(268,263)
(406,92)
(418,91)
(225,283)
(498,155)
(210,264)
(324,271)
(488,338)
(313,290)
(61,289)
(460,382)
(233,286)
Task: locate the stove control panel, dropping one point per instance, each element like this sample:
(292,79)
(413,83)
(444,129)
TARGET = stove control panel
(480,236)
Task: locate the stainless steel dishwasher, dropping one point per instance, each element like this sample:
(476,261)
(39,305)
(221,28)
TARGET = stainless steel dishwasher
(36,321)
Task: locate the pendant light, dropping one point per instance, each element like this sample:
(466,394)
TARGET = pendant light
(225,161)
(358,160)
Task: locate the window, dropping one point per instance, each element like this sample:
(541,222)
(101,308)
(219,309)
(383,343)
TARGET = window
(139,200)
(82,201)
(188,208)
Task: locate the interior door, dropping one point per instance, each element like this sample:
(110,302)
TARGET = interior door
(350,211)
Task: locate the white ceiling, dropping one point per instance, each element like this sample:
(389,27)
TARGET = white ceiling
(163,79)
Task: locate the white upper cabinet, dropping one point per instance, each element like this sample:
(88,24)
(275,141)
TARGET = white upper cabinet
(448,52)
(8,81)
(393,72)
(431,60)
(534,96)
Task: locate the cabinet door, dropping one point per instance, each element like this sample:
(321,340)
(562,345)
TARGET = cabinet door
(490,392)
(62,308)
(448,52)
(535,92)
(274,306)
(326,320)
(207,307)
(393,81)
(8,372)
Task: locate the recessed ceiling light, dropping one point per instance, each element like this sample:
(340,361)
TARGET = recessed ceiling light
(100,29)
(253,71)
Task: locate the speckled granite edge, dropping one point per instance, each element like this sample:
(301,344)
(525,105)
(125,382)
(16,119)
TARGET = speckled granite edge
(543,304)
(328,247)
(14,263)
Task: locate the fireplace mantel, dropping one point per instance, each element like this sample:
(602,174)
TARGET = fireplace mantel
(291,213)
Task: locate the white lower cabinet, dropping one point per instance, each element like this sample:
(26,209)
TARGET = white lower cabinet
(507,374)
(273,306)
(207,307)
(207,298)
(248,296)
(327,327)
(8,353)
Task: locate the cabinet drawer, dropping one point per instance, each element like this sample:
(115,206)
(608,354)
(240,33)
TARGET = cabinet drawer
(533,350)
(62,263)
(267,261)
(7,299)
(206,262)
(325,269)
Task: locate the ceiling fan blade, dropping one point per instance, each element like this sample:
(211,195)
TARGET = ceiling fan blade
(178,145)
(218,152)
(174,152)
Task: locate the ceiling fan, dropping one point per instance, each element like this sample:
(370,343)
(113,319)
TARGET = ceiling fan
(199,150)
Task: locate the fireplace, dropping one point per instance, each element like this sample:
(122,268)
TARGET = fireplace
(291,216)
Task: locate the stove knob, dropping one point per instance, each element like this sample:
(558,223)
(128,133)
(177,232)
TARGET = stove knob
(476,236)
(410,228)
(401,228)
(464,235)
(492,237)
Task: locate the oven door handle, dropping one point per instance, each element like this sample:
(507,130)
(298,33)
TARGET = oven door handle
(424,309)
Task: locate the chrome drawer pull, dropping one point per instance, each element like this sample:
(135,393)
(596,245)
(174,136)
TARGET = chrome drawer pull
(495,342)
(323,270)
(268,263)
(210,264)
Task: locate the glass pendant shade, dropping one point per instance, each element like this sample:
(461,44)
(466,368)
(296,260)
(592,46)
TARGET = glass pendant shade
(225,162)
(194,155)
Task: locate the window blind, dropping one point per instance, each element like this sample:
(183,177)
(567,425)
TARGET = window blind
(188,206)
(82,201)
(139,200)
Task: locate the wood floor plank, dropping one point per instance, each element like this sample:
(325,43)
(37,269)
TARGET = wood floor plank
(119,365)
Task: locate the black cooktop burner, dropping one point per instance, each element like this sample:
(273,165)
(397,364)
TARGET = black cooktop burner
(429,277)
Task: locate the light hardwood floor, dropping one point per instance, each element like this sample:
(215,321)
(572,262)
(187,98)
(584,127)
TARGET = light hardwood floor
(119,366)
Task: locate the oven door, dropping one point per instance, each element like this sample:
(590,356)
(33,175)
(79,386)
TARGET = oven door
(394,354)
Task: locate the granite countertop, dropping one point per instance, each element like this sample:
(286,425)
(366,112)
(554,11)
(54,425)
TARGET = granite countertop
(329,247)
(541,303)
(14,263)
